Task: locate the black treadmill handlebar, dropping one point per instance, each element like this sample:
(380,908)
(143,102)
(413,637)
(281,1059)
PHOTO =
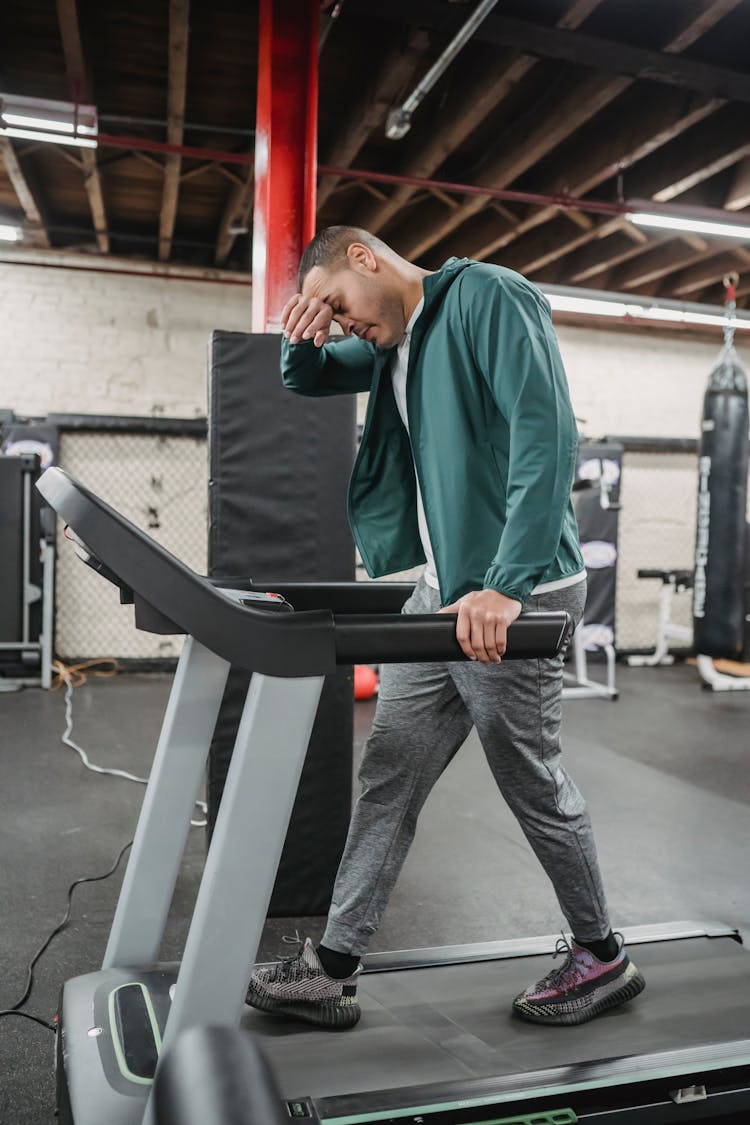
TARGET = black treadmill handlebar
(405,638)
(170,597)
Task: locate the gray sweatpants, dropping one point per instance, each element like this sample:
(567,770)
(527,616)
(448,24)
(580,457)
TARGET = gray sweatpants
(424,714)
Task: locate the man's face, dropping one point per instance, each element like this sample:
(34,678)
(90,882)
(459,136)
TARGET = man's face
(362,302)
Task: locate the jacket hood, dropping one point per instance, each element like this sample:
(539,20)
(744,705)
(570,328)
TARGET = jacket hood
(435,284)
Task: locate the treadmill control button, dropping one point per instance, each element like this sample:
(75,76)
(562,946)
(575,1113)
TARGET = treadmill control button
(689,1094)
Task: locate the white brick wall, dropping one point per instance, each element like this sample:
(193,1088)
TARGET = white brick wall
(75,341)
(640,383)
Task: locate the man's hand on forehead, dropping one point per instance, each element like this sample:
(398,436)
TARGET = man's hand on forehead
(306,318)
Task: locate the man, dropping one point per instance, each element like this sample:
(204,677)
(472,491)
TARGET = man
(466,463)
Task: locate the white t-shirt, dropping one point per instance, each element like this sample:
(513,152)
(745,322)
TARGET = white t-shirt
(398,377)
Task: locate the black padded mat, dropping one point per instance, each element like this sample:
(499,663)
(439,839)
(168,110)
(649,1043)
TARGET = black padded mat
(453,1022)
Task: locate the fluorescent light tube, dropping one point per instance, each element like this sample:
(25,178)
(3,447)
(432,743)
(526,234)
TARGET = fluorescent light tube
(696,226)
(53,138)
(38,122)
(590,306)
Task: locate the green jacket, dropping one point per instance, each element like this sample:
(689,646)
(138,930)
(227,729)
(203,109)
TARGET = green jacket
(493,436)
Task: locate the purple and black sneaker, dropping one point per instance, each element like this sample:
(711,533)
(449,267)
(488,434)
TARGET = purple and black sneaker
(581,988)
(299,987)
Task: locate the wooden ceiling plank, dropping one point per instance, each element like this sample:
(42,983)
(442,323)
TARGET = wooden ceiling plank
(503,169)
(525,147)
(708,154)
(577,218)
(600,231)
(450,201)
(588,165)
(712,269)
(179,28)
(371,113)
(657,264)
(20,185)
(235,216)
(577,13)
(615,57)
(80,92)
(152,162)
(706,150)
(589,263)
(738,196)
(480,99)
(703,22)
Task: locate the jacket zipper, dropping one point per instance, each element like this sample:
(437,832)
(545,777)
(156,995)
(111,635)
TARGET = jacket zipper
(368,423)
(416,463)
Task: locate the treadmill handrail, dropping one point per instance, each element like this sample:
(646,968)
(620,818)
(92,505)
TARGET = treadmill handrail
(306,642)
(285,645)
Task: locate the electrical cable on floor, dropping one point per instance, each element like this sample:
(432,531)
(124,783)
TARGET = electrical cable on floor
(75,675)
(13,1010)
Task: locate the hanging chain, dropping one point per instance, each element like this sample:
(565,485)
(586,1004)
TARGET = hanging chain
(731,281)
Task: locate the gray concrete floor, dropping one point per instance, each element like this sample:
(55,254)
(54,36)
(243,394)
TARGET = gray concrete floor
(664,770)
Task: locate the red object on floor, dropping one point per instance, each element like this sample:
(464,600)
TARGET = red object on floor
(365,681)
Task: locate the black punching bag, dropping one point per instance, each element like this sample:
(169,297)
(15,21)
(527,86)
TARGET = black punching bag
(718,601)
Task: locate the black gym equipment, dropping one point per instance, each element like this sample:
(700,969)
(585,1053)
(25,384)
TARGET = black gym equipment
(437,1046)
(283,516)
(719,579)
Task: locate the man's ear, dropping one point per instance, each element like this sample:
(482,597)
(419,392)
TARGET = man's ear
(361,256)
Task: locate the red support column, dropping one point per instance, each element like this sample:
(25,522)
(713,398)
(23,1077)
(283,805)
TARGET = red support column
(285,152)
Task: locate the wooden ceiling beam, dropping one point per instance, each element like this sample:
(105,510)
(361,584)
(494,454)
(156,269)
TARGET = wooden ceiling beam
(179,28)
(482,96)
(738,196)
(712,148)
(714,11)
(588,262)
(371,112)
(619,58)
(715,265)
(525,147)
(235,217)
(633,132)
(602,230)
(660,261)
(80,91)
(707,148)
(34,221)
(578,218)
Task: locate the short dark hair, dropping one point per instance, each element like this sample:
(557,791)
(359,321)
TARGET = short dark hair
(329,246)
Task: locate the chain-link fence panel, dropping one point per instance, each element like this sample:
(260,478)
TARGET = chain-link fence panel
(161,484)
(656,531)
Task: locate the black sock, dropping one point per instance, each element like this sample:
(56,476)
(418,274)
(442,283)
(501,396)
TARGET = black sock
(335,964)
(604,950)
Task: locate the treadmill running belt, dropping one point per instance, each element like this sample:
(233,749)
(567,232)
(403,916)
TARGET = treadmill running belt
(453,1022)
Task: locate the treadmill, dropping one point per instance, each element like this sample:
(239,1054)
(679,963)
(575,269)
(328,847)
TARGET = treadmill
(432,1047)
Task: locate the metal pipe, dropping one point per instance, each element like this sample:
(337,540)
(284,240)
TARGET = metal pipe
(596,206)
(141,144)
(534,199)
(120,119)
(399,119)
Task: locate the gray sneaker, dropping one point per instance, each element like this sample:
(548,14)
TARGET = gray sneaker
(299,987)
(581,988)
